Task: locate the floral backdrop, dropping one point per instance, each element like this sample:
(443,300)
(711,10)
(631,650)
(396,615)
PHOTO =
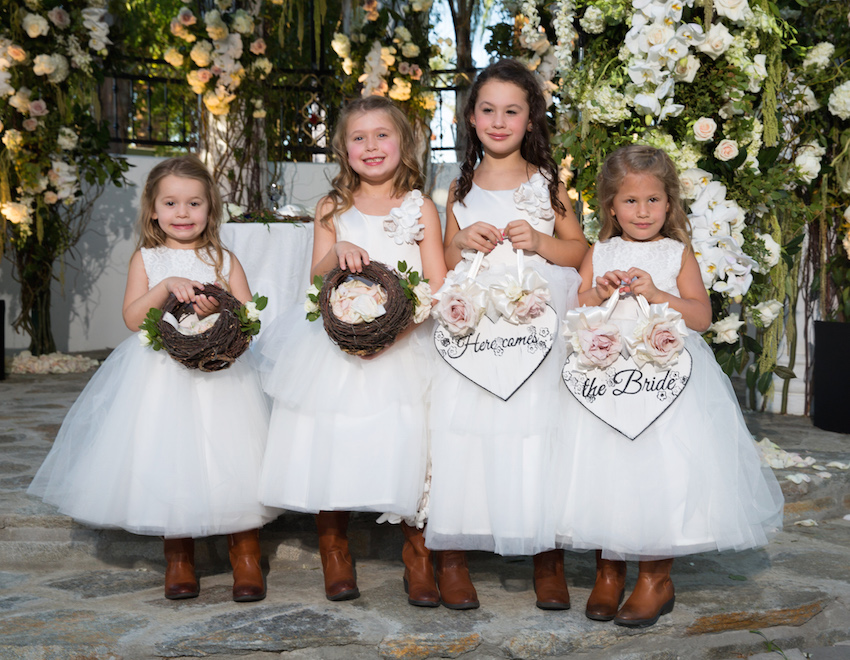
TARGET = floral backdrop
(751,98)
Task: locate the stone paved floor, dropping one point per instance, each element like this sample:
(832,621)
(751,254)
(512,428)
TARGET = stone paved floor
(71,592)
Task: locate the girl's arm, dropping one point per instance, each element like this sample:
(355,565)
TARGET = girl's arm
(480,236)
(138,299)
(328,252)
(238,281)
(431,247)
(566,248)
(692,302)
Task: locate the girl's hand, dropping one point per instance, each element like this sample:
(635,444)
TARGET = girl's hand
(640,282)
(182,288)
(608,283)
(350,256)
(522,236)
(480,236)
(205,305)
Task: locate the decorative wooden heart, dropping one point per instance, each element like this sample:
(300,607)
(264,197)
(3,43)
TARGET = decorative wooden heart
(626,397)
(499,356)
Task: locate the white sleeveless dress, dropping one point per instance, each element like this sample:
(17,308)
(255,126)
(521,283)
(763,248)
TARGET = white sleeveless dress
(155,448)
(692,482)
(347,433)
(489,456)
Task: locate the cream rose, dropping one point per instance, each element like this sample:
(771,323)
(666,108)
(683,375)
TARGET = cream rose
(726,330)
(35,26)
(765,313)
(457,313)
(532,305)
(704,129)
(717,41)
(600,347)
(663,343)
(726,150)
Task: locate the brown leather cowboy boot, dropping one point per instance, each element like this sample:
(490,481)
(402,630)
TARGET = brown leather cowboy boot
(456,589)
(419,581)
(248,582)
(550,585)
(180,579)
(337,566)
(653,596)
(608,591)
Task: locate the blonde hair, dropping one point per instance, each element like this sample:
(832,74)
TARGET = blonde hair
(641,159)
(209,249)
(408,176)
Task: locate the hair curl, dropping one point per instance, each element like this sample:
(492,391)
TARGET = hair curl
(535,147)
(408,176)
(209,249)
(641,159)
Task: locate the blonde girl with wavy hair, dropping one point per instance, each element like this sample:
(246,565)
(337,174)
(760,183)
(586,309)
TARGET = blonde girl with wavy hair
(353,436)
(148,446)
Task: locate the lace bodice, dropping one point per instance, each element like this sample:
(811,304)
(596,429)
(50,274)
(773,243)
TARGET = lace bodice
(662,259)
(161,262)
(389,238)
(530,201)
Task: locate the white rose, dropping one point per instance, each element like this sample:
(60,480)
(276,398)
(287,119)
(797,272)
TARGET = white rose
(732,9)
(173,57)
(251,311)
(422,292)
(341,45)
(686,69)
(67,139)
(35,26)
(43,65)
(839,101)
(704,129)
(717,41)
(726,330)
(766,312)
(774,251)
(144,338)
(819,56)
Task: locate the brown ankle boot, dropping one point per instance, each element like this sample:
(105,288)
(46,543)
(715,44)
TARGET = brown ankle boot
(608,591)
(248,582)
(418,569)
(456,589)
(336,560)
(653,596)
(550,585)
(180,579)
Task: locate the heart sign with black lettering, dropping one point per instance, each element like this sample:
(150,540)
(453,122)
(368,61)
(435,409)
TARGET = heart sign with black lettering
(628,397)
(499,356)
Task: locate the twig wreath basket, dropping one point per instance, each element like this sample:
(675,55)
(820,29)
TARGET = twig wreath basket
(367,338)
(214,349)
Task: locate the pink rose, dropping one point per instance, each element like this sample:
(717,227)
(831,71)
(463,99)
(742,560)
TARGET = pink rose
(186,17)
(704,129)
(30,124)
(457,313)
(600,346)
(531,305)
(415,72)
(258,47)
(59,17)
(38,108)
(17,53)
(663,342)
(50,197)
(204,75)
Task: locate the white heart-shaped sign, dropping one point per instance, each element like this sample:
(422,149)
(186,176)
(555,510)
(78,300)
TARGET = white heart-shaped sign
(499,356)
(626,397)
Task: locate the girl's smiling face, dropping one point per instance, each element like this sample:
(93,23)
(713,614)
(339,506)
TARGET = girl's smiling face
(640,207)
(373,146)
(182,210)
(501,117)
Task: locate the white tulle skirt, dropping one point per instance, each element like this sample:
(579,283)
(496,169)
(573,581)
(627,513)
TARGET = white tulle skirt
(694,481)
(155,448)
(346,433)
(490,457)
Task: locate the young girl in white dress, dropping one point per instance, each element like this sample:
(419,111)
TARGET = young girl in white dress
(151,446)
(693,481)
(350,433)
(489,456)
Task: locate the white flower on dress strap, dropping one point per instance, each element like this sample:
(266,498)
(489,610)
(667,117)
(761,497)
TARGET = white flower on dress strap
(533,198)
(402,225)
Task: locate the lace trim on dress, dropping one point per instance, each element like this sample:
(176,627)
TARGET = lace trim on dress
(533,198)
(402,224)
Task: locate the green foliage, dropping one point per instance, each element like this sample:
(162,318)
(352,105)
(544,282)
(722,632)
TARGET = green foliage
(313,297)
(248,314)
(150,326)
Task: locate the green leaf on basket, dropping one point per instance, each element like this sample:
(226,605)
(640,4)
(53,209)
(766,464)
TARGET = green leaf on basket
(739,578)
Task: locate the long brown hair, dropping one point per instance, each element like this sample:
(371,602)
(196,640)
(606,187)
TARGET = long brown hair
(210,249)
(408,176)
(641,159)
(534,149)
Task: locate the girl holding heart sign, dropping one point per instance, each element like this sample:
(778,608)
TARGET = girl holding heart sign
(689,479)
(489,455)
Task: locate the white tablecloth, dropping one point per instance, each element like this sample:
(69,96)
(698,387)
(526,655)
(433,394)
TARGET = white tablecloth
(276,259)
